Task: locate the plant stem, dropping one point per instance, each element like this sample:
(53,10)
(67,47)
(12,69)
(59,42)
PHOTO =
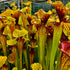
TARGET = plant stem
(56,38)
(42,41)
(9,68)
(3,43)
(58,59)
(48,52)
(21,4)
(17,60)
(30,11)
(26,59)
(20,47)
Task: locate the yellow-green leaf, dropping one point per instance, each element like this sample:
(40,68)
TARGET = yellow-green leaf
(20,22)
(2,60)
(7,30)
(36,66)
(11,42)
(15,68)
(24,9)
(13,4)
(19,33)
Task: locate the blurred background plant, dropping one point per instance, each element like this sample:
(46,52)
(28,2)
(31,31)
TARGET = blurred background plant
(38,41)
